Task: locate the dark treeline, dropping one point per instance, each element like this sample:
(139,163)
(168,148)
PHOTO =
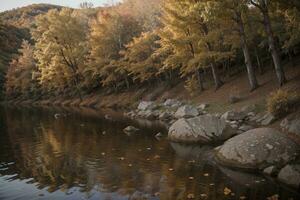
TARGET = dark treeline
(140,42)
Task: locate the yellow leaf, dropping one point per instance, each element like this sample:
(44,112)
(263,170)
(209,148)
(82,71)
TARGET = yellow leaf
(227,191)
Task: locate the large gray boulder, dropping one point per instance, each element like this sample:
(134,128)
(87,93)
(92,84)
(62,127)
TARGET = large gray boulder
(234,115)
(186,111)
(290,175)
(291,124)
(258,149)
(146,105)
(205,128)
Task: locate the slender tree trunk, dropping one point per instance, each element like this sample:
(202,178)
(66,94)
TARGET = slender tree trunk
(77,87)
(248,62)
(291,58)
(217,80)
(258,61)
(127,82)
(200,79)
(274,51)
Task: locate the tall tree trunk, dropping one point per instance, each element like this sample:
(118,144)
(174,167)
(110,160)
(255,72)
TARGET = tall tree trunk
(217,80)
(200,79)
(248,62)
(272,44)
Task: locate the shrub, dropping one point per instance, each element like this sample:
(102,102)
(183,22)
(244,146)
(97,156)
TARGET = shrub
(282,102)
(191,85)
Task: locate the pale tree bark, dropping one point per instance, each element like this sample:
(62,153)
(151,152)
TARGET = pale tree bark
(248,61)
(263,7)
(217,80)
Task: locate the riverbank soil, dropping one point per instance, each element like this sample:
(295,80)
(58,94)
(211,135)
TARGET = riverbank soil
(236,85)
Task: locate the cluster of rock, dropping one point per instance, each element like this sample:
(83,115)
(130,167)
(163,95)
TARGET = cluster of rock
(263,149)
(168,111)
(245,147)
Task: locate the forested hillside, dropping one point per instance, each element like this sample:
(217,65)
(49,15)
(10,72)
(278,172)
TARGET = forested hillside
(141,43)
(15,26)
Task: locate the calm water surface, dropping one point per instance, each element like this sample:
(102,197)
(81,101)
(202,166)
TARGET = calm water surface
(85,155)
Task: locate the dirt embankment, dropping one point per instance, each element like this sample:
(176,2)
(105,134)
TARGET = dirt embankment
(219,100)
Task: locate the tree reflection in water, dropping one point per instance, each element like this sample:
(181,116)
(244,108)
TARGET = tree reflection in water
(82,154)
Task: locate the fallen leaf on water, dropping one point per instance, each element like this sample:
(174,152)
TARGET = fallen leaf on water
(227,191)
(190,196)
(206,174)
(274,197)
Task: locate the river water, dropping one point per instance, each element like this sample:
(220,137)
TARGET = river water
(84,154)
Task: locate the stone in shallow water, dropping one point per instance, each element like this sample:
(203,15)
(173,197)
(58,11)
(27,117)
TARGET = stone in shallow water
(130,129)
(272,170)
(258,149)
(205,128)
(290,175)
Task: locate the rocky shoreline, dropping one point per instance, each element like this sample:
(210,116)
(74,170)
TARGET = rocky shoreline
(248,143)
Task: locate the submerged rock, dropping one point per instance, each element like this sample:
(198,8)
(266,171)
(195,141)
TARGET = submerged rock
(205,128)
(272,170)
(159,135)
(257,149)
(192,151)
(290,175)
(130,129)
(186,111)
